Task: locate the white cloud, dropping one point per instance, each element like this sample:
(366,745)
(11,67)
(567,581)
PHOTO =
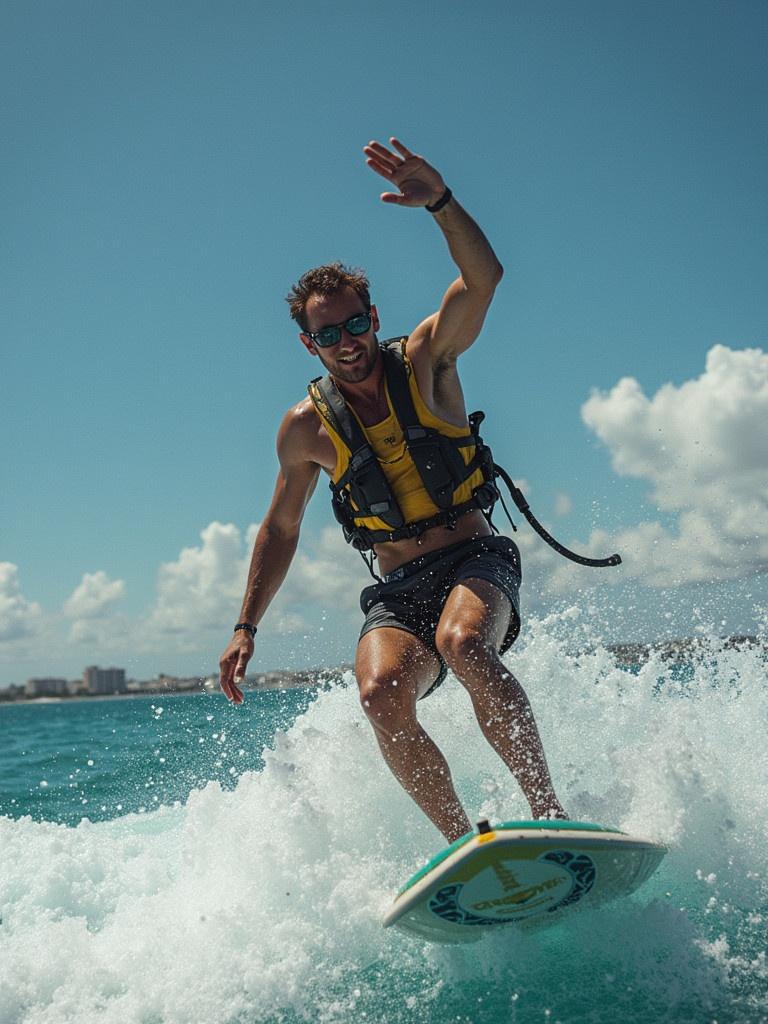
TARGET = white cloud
(703,448)
(94,596)
(706,436)
(90,606)
(203,589)
(329,572)
(18,616)
(563,504)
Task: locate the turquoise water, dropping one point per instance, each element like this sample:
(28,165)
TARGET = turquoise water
(102,759)
(180,860)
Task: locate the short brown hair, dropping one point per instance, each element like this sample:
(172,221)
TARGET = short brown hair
(325,280)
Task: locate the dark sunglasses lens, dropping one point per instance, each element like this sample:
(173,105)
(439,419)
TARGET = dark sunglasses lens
(328,336)
(358,324)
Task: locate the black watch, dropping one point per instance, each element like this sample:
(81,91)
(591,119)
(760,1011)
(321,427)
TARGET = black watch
(247,627)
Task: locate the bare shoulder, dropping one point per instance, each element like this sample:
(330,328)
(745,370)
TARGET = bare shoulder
(417,346)
(303,438)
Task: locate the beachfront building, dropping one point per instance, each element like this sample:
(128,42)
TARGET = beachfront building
(104,680)
(47,687)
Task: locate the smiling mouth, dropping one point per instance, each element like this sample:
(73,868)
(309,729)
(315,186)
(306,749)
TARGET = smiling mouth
(351,359)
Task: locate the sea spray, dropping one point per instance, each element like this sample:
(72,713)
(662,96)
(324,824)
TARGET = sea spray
(263,902)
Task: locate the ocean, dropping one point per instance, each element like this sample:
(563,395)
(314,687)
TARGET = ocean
(172,860)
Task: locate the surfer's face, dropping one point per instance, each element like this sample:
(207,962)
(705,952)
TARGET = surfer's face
(353,358)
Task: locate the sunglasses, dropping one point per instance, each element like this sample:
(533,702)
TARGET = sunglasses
(328,336)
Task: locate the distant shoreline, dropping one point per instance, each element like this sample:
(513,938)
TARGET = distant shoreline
(86,698)
(680,650)
(307,679)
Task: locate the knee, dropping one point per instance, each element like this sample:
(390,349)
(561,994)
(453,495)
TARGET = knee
(462,647)
(386,703)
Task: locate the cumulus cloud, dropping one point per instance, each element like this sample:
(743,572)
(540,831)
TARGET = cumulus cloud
(94,596)
(703,448)
(90,607)
(328,571)
(18,616)
(202,590)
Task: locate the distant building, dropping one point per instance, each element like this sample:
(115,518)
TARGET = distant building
(104,680)
(78,687)
(46,688)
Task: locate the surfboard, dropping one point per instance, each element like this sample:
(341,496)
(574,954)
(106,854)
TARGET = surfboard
(524,873)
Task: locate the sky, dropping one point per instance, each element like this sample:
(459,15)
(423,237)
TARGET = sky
(169,170)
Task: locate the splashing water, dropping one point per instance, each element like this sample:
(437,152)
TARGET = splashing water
(263,903)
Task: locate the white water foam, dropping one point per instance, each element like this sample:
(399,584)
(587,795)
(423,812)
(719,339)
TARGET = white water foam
(265,903)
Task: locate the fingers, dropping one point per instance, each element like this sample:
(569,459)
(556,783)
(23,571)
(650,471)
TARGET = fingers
(400,168)
(384,161)
(380,152)
(233,693)
(241,658)
(406,153)
(232,667)
(242,664)
(380,168)
(375,151)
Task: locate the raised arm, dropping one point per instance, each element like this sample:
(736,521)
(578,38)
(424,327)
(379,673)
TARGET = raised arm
(274,547)
(457,323)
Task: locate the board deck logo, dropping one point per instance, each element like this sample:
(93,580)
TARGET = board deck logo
(499,895)
(505,876)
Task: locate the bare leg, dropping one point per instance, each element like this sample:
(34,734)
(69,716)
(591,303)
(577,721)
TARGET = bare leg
(393,669)
(471,630)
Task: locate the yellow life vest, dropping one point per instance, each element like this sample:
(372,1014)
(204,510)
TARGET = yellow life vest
(408,473)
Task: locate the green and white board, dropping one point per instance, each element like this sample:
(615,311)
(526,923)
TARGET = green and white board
(520,873)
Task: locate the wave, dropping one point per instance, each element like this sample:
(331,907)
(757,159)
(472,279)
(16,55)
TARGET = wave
(264,903)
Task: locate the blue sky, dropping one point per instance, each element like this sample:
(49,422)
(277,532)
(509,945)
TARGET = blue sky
(170,169)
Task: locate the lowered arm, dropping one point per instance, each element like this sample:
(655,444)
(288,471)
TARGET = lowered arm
(273,549)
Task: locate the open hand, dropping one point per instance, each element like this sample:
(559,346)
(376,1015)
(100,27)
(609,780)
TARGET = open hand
(418,182)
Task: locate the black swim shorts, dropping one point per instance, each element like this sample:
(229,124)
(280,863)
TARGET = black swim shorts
(412,597)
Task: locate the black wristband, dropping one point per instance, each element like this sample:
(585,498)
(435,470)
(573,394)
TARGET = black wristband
(441,202)
(247,627)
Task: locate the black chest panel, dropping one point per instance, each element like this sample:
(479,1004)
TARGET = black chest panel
(364,491)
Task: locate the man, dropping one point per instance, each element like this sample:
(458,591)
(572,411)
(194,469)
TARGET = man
(448,595)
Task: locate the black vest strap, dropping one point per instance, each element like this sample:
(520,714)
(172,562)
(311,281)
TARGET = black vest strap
(437,458)
(364,481)
(336,410)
